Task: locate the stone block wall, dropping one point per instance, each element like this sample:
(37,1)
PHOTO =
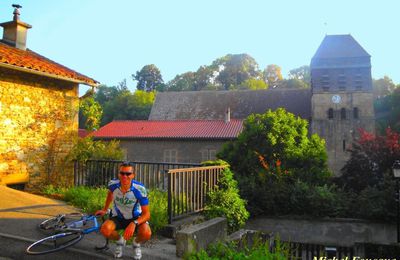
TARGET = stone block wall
(187,150)
(38,122)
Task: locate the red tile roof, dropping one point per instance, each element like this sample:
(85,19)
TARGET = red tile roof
(32,62)
(182,129)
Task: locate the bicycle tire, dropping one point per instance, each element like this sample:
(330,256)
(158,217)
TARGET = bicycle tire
(49,244)
(54,223)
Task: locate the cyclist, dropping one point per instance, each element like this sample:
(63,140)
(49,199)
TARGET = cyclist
(130,211)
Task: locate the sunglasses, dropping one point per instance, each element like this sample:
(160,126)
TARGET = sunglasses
(126,173)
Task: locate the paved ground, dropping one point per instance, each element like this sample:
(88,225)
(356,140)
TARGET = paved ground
(20,212)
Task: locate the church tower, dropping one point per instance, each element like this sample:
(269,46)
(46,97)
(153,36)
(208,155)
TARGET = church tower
(342,99)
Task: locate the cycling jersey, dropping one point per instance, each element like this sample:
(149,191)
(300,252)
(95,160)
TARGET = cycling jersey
(127,205)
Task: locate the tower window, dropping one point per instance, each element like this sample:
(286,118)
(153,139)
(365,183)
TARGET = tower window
(355,113)
(330,113)
(342,82)
(344,145)
(358,82)
(343,113)
(325,82)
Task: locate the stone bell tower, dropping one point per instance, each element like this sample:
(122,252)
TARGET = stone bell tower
(342,99)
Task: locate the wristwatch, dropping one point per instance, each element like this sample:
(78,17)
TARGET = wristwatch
(136,222)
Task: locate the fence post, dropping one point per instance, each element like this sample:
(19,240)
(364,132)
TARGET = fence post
(169,196)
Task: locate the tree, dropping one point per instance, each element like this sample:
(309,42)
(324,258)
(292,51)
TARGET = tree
(388,111)
(272,75)
(292,83)
(92,112)
(228,72)
(274,150)
(253,84)
(141,104)
(382,87)
(234,69)
(148,78)
(299,77)
(128,106)
(372,155)
(367,176)
(182,82)
(302,73)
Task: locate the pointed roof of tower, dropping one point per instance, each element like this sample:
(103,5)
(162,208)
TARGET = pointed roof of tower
(340,46)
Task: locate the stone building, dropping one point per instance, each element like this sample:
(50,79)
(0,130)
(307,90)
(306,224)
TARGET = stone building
(38,111)
(339,102)
(177,141)
(342,98)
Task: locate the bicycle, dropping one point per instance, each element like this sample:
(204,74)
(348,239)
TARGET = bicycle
(65,233)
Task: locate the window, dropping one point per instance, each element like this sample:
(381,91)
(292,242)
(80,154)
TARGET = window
(171,156)
(344,145)
(212,154)
(125,153)
(355,113)
(343,113)
(208,154)
(330,113)
(342,82)
(325,82)
(358,82)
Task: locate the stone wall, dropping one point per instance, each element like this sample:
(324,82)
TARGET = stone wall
(340,133)
(187,151)
(38,122)
(334,232)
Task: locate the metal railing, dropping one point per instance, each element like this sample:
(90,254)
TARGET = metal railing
(305,251)
(187,189)
(97,173)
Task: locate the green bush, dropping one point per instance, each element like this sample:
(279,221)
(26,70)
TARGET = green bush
(316,200)
(258,251)
(85,198)
(226,202)
(158,209)
(273,151)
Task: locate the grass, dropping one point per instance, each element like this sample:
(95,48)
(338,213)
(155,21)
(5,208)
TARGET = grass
(260,250)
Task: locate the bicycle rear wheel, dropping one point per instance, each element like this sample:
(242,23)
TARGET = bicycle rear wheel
(54,243)
(57,223)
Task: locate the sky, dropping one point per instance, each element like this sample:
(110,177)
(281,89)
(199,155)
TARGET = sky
(111,40)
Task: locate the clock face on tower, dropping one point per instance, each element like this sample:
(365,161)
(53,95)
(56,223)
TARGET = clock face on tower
(336,99)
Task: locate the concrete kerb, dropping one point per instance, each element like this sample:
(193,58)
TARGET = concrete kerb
(199,236)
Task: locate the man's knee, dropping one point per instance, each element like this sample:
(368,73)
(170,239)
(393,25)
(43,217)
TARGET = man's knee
(144,233)
(107,228)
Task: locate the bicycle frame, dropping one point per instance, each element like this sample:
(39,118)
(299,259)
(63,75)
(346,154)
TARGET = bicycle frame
(86,219)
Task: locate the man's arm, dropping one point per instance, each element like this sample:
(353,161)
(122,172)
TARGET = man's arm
(107,204)
(145,215)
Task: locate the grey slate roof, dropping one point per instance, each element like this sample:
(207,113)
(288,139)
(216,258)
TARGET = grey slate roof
(340,46)
(242,103)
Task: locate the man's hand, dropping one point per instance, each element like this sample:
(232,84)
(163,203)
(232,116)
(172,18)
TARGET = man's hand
(130,229)
(101,212)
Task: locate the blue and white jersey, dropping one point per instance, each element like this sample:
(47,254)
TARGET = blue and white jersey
(127,205)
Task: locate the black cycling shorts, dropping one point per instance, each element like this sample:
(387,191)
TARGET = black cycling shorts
(121,223)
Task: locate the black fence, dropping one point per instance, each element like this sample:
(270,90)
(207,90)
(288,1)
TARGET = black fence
(303,251)
(97,173)
(187,189)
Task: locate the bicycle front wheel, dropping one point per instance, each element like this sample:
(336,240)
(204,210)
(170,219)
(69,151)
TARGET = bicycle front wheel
(54,243)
